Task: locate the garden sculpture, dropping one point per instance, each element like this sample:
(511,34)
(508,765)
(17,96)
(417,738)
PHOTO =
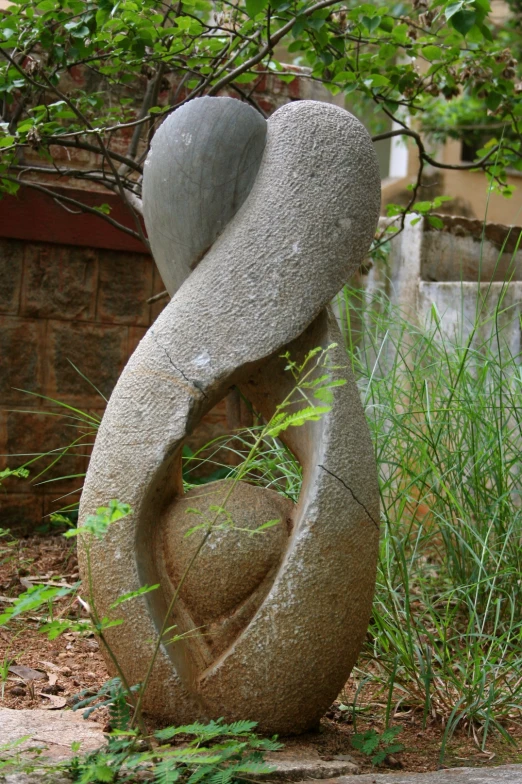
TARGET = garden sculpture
(255,226)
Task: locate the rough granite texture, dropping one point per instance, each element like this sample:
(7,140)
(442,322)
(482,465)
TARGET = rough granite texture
(281,654)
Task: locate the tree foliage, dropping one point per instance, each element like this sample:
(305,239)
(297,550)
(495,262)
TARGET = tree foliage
(97,78)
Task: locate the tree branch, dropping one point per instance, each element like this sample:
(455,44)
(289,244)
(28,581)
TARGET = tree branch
(427,158)
(64,142)
(75,203)
(267,48)
(121,189)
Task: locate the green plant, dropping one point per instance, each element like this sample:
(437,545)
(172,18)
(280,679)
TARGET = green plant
(214,753)
(86,425)
(7,545)
(5,663)
(377,746)
(444,413)
(7,473)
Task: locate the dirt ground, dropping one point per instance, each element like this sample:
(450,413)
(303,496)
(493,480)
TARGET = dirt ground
(73,662)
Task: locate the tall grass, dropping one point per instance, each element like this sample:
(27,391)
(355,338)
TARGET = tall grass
(445,418)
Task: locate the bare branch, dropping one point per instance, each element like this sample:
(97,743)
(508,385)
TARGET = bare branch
(58,197)
(136,202)
(427,158)
(121,189)
(61,141)
(157,297)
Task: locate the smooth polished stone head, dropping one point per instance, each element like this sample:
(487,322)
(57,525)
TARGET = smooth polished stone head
(201,167)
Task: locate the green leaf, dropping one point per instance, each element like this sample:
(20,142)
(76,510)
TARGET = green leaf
(453,9)
(105,209)
(104,773)
(378,80)
(299,25)
(390,734)
(422,206)
(33,599)
(486,32)
(59,626)
(386,51)
(324,394)
(463,21)
(20,473)
(97,525)
(432,52)
(394,748)
(482,5)
(166,773)
(105,623)
(255,7)
(268,524)
(493,101)
(435,221)
(133,594)
(296,419)
(371,23)
(246,78)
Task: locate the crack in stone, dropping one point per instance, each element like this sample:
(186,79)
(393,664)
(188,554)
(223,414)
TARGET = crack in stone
(190,381)
(376,524)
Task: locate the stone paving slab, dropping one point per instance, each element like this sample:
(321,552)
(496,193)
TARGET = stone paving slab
(299,766)
(56,730)
(53,731)
(504,774)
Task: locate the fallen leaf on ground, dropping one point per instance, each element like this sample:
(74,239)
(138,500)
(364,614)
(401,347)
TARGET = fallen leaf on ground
(50,665)
(56,702)
(27,673)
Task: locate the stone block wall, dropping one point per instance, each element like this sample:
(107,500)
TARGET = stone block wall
(453,271)
(63,304)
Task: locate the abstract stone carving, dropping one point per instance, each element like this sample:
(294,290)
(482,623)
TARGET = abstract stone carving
(256,226)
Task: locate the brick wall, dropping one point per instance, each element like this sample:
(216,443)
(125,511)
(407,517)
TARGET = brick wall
(61,303)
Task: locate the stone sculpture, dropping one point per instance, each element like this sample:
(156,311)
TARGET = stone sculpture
(255,225)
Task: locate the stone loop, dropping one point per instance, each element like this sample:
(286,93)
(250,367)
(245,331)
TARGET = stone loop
(255,226)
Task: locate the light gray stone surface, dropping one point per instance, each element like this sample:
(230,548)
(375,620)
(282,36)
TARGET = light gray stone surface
(38,777)
(299,765)
(504,774)
(53,731)
(281,655)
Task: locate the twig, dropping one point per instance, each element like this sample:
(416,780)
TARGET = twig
(74,203)
(424,155)
(157,297)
